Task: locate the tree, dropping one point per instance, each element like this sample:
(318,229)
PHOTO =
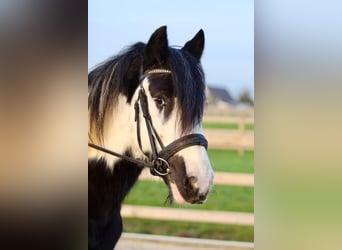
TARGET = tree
(245,97)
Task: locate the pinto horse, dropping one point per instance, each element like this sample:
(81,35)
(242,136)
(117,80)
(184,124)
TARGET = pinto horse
(145,109)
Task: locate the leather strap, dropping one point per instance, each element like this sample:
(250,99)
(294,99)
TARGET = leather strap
(181,143)
(124,157)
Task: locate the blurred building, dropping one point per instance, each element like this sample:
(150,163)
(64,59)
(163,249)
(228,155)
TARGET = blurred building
(220,101)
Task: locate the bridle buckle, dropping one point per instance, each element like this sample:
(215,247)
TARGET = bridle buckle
(160,167)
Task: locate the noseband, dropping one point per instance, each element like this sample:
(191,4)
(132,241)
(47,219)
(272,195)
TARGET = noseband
(158,161)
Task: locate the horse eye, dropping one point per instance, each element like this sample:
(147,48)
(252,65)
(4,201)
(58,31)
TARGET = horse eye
(159,101)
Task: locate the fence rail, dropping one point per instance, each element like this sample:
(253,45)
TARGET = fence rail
(239,139)
(223,139)
(132,241)
(181,214)
(221,178)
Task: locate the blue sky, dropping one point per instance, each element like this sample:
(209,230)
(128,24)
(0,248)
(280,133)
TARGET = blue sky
(228,58)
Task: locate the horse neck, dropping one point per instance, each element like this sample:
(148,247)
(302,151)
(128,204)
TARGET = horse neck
(120,132)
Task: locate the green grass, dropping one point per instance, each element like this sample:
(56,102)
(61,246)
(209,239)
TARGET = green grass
(231,126)
(221,198)
(249,126)
(189,229)
(230,161)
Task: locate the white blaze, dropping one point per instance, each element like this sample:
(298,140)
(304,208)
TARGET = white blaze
(195,157)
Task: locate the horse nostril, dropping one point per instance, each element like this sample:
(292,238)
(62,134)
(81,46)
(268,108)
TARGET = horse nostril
(192,180)
(200,199)
(202,196)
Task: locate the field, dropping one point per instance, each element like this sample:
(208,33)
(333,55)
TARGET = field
(231,126)
(230,161)
(188,229)
(222,198)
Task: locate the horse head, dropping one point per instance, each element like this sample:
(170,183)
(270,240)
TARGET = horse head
(173,82)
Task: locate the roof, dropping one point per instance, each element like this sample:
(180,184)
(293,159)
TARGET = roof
(222,94)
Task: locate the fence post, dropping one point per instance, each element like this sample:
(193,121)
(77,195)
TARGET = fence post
(242,124)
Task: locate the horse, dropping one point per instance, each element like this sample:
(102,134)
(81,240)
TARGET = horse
(145,108)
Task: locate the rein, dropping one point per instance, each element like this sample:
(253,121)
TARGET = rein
(158,162)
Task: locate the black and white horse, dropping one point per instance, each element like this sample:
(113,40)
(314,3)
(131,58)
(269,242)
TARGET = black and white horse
(146,106)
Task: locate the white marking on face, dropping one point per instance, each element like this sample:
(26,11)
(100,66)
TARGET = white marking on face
(176,194)
(168,130)
(198,155)
(197,164)
(195,157)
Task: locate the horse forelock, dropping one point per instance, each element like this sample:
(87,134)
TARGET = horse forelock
(189,83)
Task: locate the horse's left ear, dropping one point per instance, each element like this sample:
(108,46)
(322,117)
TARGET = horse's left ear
(196,45)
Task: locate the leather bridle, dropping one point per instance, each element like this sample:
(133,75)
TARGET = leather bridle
(158,161)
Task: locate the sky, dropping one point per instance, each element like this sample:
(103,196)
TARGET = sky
(228,58)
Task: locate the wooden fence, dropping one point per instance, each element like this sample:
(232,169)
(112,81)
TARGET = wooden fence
(221,178)
(239,139)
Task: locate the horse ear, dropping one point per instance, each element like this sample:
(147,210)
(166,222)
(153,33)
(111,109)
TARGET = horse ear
(196,45)
(156,51)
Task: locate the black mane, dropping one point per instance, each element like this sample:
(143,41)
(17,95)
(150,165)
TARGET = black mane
(120,75)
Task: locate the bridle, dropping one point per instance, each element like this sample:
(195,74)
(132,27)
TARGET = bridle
(158,161)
